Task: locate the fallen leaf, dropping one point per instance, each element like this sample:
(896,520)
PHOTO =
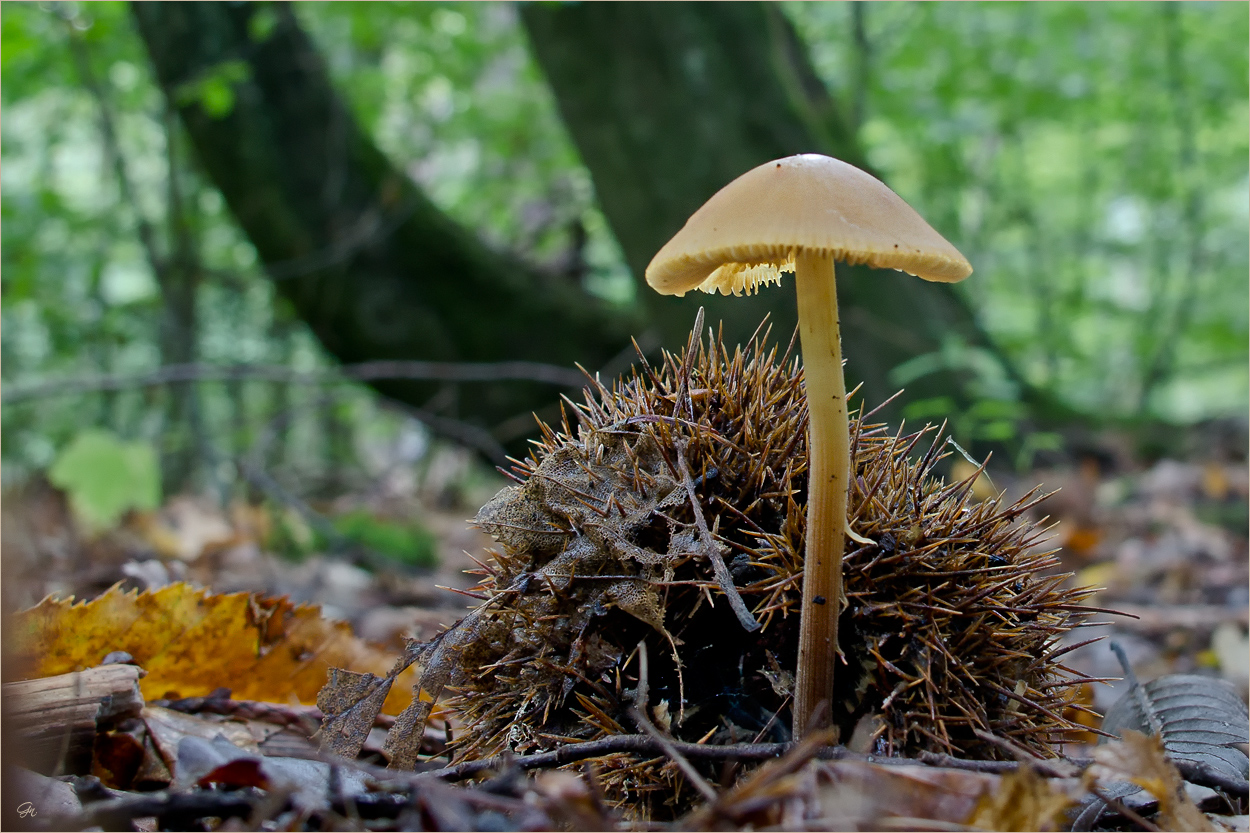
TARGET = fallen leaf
(870,793)
(1081,712)
(169,728)
(310,783)
(1082,540)
(203,761)
(116,759)
(185,528)
(1231,647)
(1199,719)
(192,642)
(1023,800)
(349,703)
(1139,759)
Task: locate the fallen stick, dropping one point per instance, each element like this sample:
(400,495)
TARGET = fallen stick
(57,717)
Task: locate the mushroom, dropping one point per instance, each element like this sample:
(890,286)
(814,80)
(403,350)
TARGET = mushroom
(801,214)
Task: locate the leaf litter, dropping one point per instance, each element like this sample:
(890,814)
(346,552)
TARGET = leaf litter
(190,641)
(1158,536)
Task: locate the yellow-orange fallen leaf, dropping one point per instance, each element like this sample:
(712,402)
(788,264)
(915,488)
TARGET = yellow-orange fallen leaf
(1081,540)
(191,642)
(1083,716)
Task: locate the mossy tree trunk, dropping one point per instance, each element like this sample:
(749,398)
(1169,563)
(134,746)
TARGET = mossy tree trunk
(374,268)
(667,102)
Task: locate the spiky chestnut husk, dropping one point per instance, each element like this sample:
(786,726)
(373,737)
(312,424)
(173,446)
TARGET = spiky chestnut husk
(949,631)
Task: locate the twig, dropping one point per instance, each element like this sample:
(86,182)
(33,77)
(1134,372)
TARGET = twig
(462,432)
(639,715)
(362,372)
(1054,769)
(281,714)
(943,761)
(174,810)
(1058,768)
(631,744)
(708,544)
(761,787)
(367,229)
(1123,809)
(645,745)
(1195,773)
(274,490)
(1205,775)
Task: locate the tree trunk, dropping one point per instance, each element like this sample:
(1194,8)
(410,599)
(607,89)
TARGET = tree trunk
(668,102)
(373,267)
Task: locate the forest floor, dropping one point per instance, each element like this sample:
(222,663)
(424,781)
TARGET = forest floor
(1167,540)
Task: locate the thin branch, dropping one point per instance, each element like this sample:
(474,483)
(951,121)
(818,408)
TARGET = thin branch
(1205,775)
(635,744)
(462,432)
(644,745)
(369,228)
(1123,809)
(639,715)
(296,717)
(708,544)
(362,372)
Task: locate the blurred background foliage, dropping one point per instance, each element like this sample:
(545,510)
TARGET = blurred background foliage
(1089,159)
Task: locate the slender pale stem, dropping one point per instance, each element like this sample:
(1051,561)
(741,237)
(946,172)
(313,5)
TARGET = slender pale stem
(828,476)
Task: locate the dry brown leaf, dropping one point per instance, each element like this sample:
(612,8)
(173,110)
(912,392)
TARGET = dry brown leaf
(1140,759)
(866,794)
(167,728)
(189,527)
(192,642)
(1023,800)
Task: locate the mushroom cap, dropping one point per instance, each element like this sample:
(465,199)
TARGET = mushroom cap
(750,230)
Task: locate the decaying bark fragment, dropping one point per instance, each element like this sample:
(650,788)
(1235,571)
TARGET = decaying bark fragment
(57,717)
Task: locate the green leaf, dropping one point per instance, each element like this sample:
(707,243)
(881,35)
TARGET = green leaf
(105,477)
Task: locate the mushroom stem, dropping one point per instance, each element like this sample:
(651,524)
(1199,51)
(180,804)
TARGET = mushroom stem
(828,476)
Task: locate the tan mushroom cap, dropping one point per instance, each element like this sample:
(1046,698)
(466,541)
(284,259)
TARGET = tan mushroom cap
(749,231)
